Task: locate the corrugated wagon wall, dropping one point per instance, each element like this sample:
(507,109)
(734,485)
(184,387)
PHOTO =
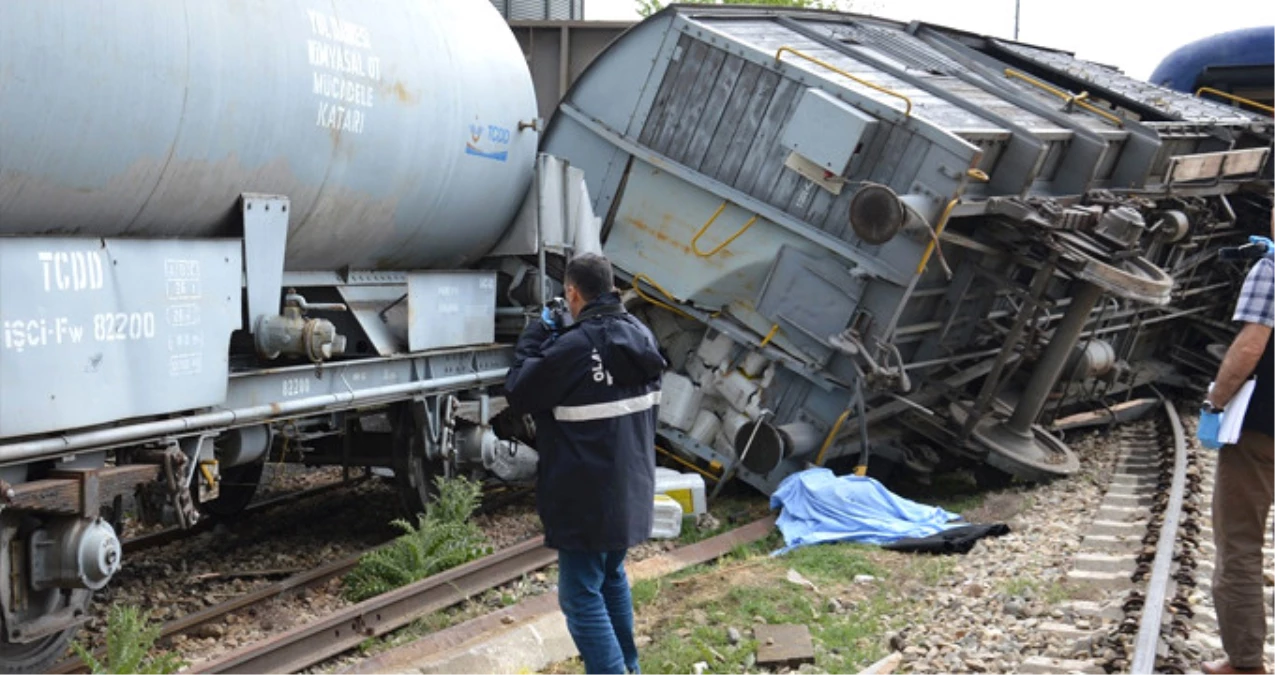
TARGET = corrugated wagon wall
(543,10)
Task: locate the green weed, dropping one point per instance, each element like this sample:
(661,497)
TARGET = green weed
(130,636)
(442,538)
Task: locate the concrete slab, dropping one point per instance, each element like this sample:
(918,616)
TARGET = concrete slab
(1107,580)
(1112,528)
(1041,664)
(1105,562)
(784,645)
(1094,610)
(1111,544)
(524,648)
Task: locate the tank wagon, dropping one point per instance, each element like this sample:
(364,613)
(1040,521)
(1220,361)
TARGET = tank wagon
(238,231)
(874,244)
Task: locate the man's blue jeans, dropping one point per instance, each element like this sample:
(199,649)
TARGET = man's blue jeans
(593,593)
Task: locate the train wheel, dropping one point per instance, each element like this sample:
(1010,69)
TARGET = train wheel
(38,655)
(988,477)
(238,487)
(414,471)
(34,657)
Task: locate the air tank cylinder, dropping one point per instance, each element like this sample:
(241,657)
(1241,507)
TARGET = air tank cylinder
(402,132)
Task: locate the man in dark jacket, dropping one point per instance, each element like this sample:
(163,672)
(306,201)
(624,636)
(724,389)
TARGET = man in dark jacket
(593,390)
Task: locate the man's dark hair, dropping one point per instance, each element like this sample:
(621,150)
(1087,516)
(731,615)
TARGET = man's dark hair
(591,274)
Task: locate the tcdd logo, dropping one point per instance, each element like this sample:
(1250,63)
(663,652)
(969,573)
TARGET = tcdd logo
(496,135)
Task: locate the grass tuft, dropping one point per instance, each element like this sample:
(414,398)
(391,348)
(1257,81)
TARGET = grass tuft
(442,538)
(130,637)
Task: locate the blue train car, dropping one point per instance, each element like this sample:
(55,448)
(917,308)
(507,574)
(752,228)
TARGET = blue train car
(1239,62)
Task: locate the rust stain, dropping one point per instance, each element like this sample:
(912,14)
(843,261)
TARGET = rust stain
(402,94)
(661,235)
(275,408)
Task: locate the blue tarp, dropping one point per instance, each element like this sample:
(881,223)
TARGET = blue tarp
(819,506)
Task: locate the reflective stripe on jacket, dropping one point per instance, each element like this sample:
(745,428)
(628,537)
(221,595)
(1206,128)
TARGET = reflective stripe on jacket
(594,393)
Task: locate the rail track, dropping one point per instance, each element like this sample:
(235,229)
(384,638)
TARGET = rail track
(306,645)
(1149,550)
(165,536)
(260,596)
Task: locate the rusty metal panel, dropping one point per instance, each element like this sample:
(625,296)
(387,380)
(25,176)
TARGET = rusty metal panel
(99,330)
(656,222)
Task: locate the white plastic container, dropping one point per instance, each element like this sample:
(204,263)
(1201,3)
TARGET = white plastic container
(668,518)
(697,371)
(715,351)
(706,426)
(754,364)
(680,348)
(741,392)
(679,401)
(687,489)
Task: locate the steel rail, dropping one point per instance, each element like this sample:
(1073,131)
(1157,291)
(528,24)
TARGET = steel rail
(189,621)
(161,537)
(305,579)
(306,645)
(401,658)
(1157,588)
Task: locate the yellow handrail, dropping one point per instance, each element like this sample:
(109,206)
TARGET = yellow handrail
(638,289)
(692,467)
(724,244)
(1237,99)
(766,340)
(938,232)
(779,53)
(1078,99)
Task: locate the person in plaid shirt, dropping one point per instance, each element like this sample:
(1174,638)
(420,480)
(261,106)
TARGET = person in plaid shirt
(1242,491)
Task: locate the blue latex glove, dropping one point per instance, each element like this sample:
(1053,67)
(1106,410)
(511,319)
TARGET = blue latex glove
(1267,245)
(549,318)
(1210,424)
(556,315)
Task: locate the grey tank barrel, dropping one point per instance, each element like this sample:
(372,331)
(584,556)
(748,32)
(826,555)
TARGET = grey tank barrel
(15,452)
(402,132)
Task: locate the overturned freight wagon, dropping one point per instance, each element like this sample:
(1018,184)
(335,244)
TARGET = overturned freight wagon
(889,245)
